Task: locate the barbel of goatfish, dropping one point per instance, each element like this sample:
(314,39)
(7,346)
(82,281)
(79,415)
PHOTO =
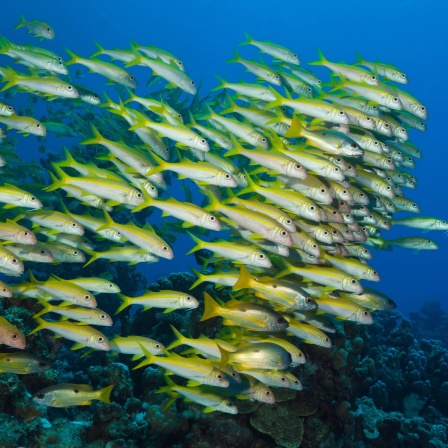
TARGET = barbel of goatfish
(344,309)
(107,69)
(211,401)
(58,289)
(37,28)
(15,233)
(117,192)
(169,72)
(198,371)
(239,253)
(82,335)
(282,292)
(10,335)
(274,50)
(84,316)
(64,395)
(350,72)
(22,363)
(247,315)
(169,300)
(206,346)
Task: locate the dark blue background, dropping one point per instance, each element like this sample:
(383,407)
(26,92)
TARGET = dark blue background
(411,35)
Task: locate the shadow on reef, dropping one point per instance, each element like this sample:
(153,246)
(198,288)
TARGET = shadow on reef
(379,386)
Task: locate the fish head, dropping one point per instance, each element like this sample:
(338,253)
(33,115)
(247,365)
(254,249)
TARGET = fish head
(263,394)
(13,264)
(129,81)
(350,284)
(31,201)
(15,339)
(226,180)
(209,221)
(188,85)
(58,67)
(258,258)
(73,227)
(43,255)
(363,317)
(189,302)
(25,236)
(5,291)
(99,342)
(227,407)
(102,318)
(217,378)
(86,299)
(46,32)
(72,255)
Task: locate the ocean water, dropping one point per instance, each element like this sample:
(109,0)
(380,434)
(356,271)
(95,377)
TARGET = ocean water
(408,34)
(203,34)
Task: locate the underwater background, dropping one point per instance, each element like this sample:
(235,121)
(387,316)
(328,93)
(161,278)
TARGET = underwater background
(380,385)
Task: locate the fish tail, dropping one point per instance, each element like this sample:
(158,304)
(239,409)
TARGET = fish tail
(94,256)
(47,307)
(10,76)
(199,244)
(108,224)
(213,202)
(360,60)
(68,162)
(231,108)
(131,94)
(21,23)
(248,40)
(180,338)
(104,394)
(148,202)
(237,57)
(41,324)
(295,129)
(251,185)
(211,308)
(224,356)
(221,85)
(150,358)
(96,139)
(74,58)
(279,100)
(63,179)
(200,276)
(126,301)
(321,60)
(161,165)
(138,57)
(99,51)
(5,45)
(244,280)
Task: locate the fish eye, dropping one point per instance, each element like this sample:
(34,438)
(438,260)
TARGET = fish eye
(402,75)
(131,77)
(334,232)
(268,392)
(9,109)
(402,130)
(375,273)
(48,30)
(314,246)
(192,83)
(395,99)
(422,108)
(139,195)
(341,112)
(344,191)
(309,89)
(322,190)
(368,118)
(309,300)
(312,207)
(261,256)
(212,218)
(15,336)
(4,289)
(294,55)
(86,297)
(373,78)
(319,82)
(284,233)
(96,97)
(102,316)
(188,298)
(75,252)
(14,260)
(334,212)
(203,141)
(180,63)
(298,166)
(227,176)
(69,87)
(353,145)
(336,169)
(326,339)
(32,198)
(365,313)
(376,142)
(389,160)
(274,286)
(42,252)
(157,345)
(74,224)
(26,233)
(118,234)
(100,339)
(388,187)
(428,241)
(353,281)
(263,140)
(165,248)
(339,160)
(386,125)
(40,396)
(277,77)
(233,374)
(219,376)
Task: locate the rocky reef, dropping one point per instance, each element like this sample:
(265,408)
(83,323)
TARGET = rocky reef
(382,385)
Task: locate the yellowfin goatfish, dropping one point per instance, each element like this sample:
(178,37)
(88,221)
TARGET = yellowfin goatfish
(10,335)
(22,363)
(38,29)
(65,394)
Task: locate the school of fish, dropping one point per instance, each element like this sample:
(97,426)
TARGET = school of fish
(283,181)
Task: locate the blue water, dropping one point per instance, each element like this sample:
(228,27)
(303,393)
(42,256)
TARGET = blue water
(203,34)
